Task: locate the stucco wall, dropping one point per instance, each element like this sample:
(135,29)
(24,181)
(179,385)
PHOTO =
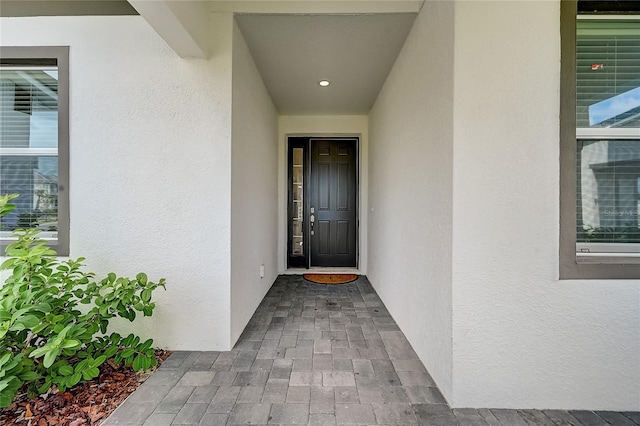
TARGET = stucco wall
(410,196)
(150,165)
(463,203)
(521,337)
(254,188)
(323,125)
(464,159)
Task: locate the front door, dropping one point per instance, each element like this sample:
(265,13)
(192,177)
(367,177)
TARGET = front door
(333,202)
(323,227)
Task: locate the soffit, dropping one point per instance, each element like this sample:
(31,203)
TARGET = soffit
(354,52)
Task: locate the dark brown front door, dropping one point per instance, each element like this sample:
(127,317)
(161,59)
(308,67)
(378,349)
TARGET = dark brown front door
(332,202)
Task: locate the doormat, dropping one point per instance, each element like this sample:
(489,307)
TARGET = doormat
(330,278)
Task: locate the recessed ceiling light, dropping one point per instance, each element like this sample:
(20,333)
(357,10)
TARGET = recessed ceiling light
(324,83)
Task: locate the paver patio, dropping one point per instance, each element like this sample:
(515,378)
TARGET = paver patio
(317,354)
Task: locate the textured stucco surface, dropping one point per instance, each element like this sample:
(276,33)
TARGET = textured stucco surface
(521,337)
(254,188)
(150,165)
(463,205)
(410,196)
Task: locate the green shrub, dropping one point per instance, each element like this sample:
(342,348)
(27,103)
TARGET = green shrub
(46,339)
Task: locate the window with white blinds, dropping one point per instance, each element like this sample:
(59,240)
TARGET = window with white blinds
(33,103)
(608,140)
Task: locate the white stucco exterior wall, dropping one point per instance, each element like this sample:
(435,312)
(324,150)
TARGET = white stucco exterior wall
(410,196)
(323,125)
(254,188)
(521,337)
(150,165)
(464,192)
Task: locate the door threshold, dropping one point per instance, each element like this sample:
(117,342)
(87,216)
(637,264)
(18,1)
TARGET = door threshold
(322,270)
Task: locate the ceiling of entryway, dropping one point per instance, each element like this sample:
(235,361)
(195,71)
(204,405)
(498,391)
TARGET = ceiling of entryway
(354,52)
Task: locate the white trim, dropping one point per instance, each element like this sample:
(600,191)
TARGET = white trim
(28,68)
(326,7)
(45,152)
(599,248)
(44,235)
(608,258)
(600,17)
(603,253)
(608,133)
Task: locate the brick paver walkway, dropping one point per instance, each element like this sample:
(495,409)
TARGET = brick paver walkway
(317,355)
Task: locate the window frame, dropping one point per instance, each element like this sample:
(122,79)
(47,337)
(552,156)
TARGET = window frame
(61,55)
(607,267)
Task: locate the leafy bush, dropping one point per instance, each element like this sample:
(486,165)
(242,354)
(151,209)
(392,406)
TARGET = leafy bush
(46,340)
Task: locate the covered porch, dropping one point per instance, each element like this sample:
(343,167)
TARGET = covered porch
(317,354)
(178,167)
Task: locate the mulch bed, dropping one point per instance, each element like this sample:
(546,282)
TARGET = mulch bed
(86,404)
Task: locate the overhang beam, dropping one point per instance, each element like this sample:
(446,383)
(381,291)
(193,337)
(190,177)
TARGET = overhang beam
(184,25)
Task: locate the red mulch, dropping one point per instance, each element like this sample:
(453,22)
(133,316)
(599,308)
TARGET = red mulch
(85,404)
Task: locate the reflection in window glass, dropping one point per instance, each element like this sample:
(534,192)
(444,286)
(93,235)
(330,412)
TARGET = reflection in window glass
(608,73)
(608,179)
(298,203)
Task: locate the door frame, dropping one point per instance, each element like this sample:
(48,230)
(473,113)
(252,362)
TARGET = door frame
(295,141)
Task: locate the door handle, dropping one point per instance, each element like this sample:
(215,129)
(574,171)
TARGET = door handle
(312,219)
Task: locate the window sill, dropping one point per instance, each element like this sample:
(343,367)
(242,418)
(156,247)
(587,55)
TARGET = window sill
(608,258)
